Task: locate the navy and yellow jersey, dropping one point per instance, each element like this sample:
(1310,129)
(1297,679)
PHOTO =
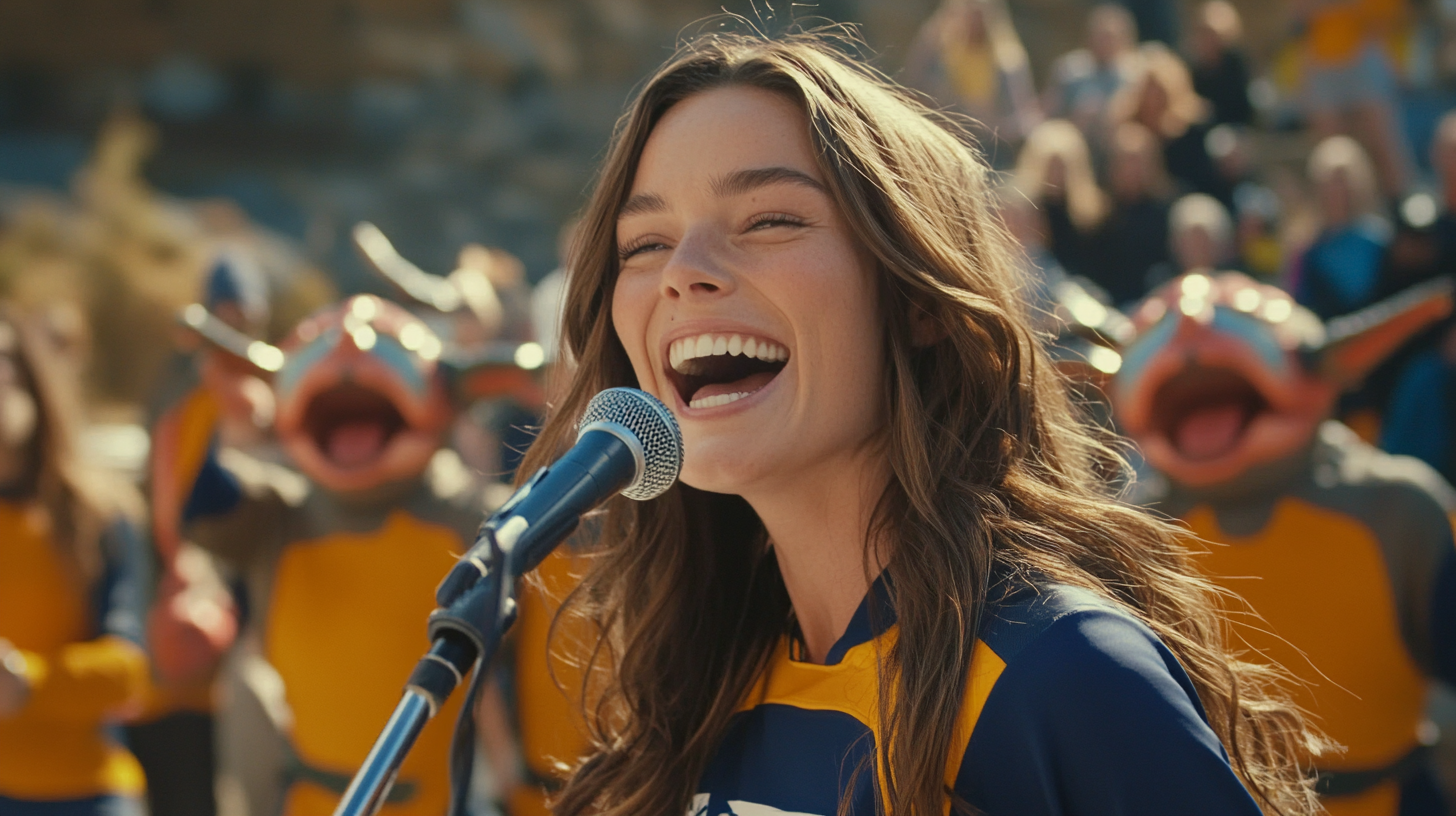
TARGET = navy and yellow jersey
(82,655)
(1345,554)
(339,592)
(1073,707)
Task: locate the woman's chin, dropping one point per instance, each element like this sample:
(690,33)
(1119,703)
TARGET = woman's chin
(718,468)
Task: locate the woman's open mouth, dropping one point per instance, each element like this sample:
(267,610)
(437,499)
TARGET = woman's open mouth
(1204,412)
(710,370)
(352,425)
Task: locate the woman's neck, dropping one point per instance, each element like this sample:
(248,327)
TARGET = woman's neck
(819,527)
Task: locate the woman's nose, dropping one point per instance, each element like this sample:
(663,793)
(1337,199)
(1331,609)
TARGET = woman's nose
(696,269)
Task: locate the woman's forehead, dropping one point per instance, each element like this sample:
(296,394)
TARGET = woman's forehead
(704,140)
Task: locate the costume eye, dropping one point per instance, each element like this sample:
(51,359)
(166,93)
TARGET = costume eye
(766,220)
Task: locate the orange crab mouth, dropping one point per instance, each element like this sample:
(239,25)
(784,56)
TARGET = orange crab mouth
(1205,412)
(352,426)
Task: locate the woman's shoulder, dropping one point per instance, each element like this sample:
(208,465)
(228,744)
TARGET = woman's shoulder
(1030,614)
(1087,701)
(1056,640)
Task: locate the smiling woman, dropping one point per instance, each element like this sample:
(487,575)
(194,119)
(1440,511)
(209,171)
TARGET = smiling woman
(890,579)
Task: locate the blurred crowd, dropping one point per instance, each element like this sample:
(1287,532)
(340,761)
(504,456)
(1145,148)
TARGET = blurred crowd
(1139,158)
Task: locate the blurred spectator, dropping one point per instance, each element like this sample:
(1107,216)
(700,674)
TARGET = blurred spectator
(1443,159)
(969,57)
(1200,235)
(1055,169)
(1415,252)
(1220,66)
(1350,80)
(1085,80)
(1339,271)
(1134,238)
(1157,20)
(1258,213)
(1422,247)
(1162,99)
(1232,154)
(71,605)
(1413,389)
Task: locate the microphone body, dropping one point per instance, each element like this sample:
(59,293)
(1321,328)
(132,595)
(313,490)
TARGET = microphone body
(548,507)
(628,442)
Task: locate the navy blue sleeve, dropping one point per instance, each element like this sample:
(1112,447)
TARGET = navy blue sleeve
(1095,717)
(1417,422)
(215,492)
(120,599)
(1443,620)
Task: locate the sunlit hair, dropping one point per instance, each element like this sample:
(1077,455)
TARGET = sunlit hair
(1182,106)
(78,501)
(1057,140)
(991,469)
(1343,156)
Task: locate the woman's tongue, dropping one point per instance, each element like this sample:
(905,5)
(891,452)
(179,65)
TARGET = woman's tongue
(1210,432)
(747,385)
(355,444)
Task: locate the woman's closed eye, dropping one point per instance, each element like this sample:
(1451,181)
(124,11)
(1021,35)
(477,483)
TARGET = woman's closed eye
(765,221)
(638,246)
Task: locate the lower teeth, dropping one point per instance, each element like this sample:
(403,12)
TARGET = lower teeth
(720,399)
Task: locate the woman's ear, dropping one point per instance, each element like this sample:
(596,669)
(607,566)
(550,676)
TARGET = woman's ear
(925,327)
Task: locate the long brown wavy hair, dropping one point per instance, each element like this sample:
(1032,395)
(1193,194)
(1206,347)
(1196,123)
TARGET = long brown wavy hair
(79,501)
(991,470)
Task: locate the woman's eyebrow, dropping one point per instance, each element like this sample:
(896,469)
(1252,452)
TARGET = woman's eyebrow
(736,183)
(642,203)
(744,181)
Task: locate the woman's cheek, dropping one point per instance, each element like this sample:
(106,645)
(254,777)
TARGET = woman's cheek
(631,311)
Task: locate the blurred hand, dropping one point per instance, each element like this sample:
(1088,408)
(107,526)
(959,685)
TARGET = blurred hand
(14,688)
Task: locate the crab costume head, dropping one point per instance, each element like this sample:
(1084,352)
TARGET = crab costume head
(360,399)
(1222,373)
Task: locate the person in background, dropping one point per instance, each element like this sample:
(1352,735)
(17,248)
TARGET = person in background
(1443,159)
(1162,99)
(969,58)
(1232,151)
(1085,80)
(1200,237)
(1219,65)
(193,618)
(1420,412)
(1257,216)
(1134,239)
(1350,81)
(71,607)
(1055,170)
(1338,273)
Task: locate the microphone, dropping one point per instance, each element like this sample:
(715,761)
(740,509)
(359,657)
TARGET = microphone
(627,442)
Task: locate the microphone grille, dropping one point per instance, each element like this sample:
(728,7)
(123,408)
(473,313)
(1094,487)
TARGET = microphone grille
(654,427)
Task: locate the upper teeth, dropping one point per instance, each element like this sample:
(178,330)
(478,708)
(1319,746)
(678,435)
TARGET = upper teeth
(712,345)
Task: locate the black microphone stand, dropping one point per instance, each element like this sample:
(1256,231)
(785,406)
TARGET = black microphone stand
(465,631)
